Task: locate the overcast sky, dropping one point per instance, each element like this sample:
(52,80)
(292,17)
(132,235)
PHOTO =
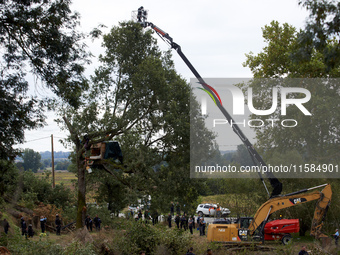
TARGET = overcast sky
(214,35)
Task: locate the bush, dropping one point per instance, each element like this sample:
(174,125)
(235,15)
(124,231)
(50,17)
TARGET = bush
(36,189)
(61,196)
(77,248)
(153,240)
(176,241)
(17,244)
(103,213)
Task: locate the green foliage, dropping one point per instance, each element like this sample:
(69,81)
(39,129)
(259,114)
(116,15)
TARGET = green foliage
(274,60)
(31,160)
(315,137)
(36,189)
(298,54)
(322,33)
(19,245)
(110,190)
(131,100)
(79,248)
(46,163)
(176,242)
(60,196)
(8,177)
(104,214)
(144,237)
(62,165)
(38,37)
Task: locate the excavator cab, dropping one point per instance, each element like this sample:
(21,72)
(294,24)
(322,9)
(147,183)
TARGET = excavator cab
(232,232)
(245,222)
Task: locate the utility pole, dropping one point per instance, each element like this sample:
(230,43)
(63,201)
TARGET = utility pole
(53,177)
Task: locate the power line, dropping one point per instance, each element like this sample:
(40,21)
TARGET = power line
(41,138)
(37,139)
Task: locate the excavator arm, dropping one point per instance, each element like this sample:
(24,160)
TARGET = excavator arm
(303,196)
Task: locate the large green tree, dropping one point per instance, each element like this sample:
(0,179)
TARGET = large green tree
(316,136)
(309,53)
(137,98)
(322,32)
(37,37)
(31,160)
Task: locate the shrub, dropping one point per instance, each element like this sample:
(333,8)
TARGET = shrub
(151,239)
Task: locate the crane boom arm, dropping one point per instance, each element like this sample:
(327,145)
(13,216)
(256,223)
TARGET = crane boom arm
(289,200)
(275,183)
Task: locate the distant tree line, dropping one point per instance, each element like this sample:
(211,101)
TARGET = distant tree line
(57,154)
(32,160)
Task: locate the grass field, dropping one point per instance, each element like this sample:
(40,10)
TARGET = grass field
(67,178)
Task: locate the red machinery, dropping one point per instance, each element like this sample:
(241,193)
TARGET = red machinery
(281,229)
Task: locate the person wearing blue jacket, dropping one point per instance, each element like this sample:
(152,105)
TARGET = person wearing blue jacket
(43,220)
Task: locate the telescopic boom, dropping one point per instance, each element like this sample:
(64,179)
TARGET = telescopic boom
(275,183)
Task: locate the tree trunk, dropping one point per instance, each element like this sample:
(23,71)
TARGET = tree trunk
(81,191)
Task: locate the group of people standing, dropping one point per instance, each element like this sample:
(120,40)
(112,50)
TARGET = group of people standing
(185,222)
(26,231)
(147,216)
(89,223)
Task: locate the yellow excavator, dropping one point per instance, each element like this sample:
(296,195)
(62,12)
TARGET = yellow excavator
(248,229)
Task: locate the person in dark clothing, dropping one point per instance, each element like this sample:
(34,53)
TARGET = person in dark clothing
(97,221)
(57,224)
(140,215)
(186,221)
(202,227)
(23,227)
(146,216)
(190,223)
(43,223)
(30,231)
(198,222)
(183,222)
(91,224)
(5,224)
(169,220)
(336,236)
(178,209)
(303,251)
(156,217)
(193,221)
(177,219)
(190,251)
(88,223)
(172,209)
